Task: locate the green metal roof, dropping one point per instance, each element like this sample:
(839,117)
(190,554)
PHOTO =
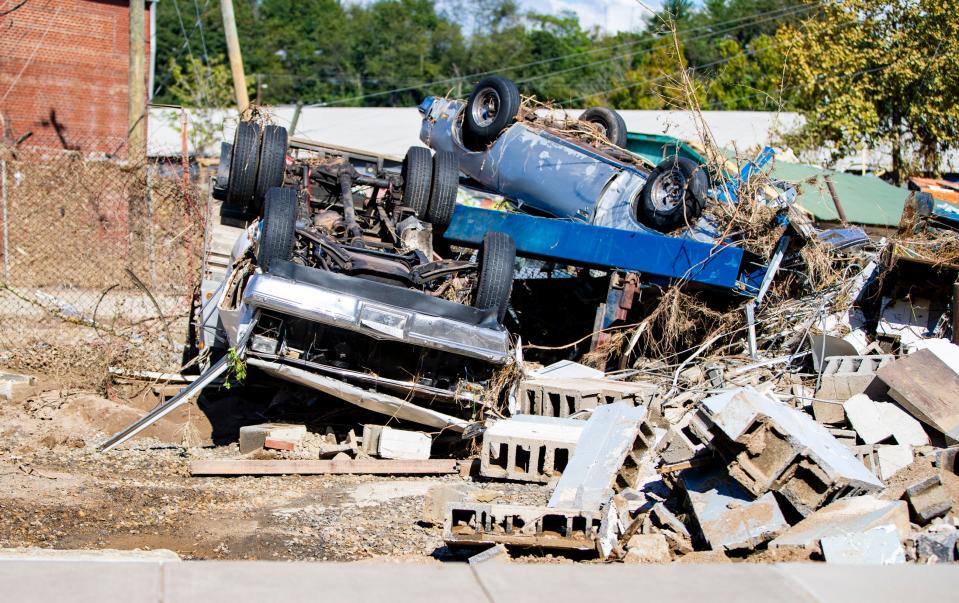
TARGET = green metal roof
(865,199)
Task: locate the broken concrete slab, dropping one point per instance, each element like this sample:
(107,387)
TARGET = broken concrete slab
(438,497)
(529,448)
(946,460)
(727,516)
(253,437)
(892,458)
(774,446)
(647,548)
(494,553)
(865,417)
(877,546)
(937,546)
(607,457)
(388,443)
(473,523)
(848,515)
(925,384)
(563,397)
(879,421)
(927,500)
(828,413)
(845,376)
(14,386)
(566,369)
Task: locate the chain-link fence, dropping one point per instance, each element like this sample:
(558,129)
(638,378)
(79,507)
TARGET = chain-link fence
(100,258)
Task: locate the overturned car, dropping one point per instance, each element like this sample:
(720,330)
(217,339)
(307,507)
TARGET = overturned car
(578,171)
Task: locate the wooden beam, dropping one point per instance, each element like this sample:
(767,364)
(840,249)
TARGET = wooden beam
(321,467)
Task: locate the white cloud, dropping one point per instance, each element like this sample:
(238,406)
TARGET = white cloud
(610,16)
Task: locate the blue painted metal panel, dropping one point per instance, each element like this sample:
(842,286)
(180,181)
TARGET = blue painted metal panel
(578,244)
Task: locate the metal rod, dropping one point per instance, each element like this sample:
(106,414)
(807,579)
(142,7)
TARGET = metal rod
(346,196)
(176,401)
(296,117)
(835,200)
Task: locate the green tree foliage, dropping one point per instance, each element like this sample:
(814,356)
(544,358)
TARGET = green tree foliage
(879,74)
(393,52)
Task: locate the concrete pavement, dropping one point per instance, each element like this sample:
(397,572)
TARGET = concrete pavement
(162,581)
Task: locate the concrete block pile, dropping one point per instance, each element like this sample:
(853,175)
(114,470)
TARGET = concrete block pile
(854,471)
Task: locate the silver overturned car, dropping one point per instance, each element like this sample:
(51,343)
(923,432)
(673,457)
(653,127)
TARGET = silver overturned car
(546,170)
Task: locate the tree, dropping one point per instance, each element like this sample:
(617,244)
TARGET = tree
(203,88)
(879,74)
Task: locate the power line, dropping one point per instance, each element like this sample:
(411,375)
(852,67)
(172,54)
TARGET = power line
(745,53)
(781,13)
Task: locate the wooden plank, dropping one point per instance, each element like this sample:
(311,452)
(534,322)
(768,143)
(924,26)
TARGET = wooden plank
(322,467)
(925,384)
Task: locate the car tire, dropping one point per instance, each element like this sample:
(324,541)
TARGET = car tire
(446,180)
(417,173)
(496,257)
(674,194)
(277,227)
(609,121)
(490,109)
(243,166)
(272,165)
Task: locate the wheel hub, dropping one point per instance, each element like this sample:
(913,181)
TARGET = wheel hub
(486,107)
(668,191)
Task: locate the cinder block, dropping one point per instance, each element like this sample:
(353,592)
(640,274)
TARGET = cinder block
(828,413)
(562,397)
(529,448)
(389,443)
(845,376)
(253,437)
(469,523)
(608,457)
(772,446)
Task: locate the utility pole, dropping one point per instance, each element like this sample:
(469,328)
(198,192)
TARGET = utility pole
(136,103)
(236,59)
(137,207)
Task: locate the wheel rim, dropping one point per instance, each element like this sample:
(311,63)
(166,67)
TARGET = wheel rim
(668,191)
(485,107)
(601,126)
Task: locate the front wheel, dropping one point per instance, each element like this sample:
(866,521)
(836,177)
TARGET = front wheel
(609,122)
(277,228)
(674,194)
(490,109)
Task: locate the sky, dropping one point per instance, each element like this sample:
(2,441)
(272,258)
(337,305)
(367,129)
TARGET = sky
(610,16)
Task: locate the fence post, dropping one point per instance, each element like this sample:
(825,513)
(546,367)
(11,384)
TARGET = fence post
(6,238)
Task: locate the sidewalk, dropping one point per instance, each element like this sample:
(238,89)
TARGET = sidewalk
(160,581)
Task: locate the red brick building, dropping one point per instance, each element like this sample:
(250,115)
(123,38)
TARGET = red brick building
(63,73)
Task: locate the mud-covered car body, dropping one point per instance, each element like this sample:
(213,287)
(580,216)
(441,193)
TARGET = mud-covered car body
(541,170)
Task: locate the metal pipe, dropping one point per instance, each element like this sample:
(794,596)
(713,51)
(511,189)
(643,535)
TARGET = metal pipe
(153,47)
(835,200)
(346,196)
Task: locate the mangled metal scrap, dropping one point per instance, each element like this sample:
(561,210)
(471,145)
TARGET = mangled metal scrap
(771,446)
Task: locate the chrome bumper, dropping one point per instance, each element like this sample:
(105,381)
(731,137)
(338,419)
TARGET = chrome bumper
(374,318)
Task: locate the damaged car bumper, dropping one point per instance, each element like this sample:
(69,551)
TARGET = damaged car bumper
(377,310)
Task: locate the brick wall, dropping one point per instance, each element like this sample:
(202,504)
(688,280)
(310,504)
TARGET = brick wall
(73,92)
